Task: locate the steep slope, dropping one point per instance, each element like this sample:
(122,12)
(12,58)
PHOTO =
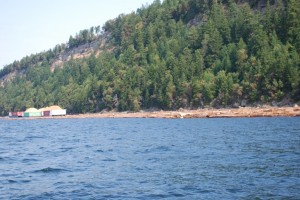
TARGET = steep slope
(179,53)
(56,57)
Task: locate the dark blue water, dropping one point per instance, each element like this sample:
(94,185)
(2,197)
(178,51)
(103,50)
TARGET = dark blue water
(150,158)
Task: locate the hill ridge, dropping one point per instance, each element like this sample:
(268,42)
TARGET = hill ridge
(169,55)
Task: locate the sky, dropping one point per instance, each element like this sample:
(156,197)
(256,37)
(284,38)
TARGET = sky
(32,26)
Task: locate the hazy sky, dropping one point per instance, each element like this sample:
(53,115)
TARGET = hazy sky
(31,26)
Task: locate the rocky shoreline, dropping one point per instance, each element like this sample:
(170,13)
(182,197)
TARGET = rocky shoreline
(184,113)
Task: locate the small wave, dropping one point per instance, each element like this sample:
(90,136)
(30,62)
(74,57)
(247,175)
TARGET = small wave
(33,137)
(205,191)
(173,194)
(32,154)
(12,181)
(196,190)
(65,149)
(156,196)
(7,175)
(154,160)
(163,148)
(117,139)
(100,151)
(138,169)
(50,170)
(109,160)
(233,190)
(28,160)
(155,149)
(25,181)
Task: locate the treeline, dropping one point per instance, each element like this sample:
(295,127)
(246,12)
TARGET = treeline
(179,53)
(84,36)
(27,62)
(47,57)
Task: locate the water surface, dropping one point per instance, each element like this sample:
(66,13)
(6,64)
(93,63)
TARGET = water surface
(150,158)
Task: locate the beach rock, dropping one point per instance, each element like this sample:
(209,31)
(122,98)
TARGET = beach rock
(215,103)
(244,103)
(274,104)
(235,105)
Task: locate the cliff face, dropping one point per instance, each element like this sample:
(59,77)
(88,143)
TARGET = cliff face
(96,46)
(82,51)
(7,78)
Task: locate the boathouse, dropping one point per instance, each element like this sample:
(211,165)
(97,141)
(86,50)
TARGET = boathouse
(32,112)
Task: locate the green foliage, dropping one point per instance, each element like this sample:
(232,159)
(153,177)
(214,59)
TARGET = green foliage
(171,54)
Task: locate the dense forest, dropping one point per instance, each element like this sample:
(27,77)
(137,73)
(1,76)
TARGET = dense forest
(169,55)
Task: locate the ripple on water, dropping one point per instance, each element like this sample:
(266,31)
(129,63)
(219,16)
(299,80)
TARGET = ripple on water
(50,170)
(108,160)
(18,181)
(66,149)
(29,160)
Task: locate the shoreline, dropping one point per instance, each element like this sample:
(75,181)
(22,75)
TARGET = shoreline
(242,112)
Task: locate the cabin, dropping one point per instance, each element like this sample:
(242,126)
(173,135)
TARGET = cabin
(43,112)
(53,111)
(16,114)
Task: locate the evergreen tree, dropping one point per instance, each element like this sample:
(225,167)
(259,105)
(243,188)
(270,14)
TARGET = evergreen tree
(170,54)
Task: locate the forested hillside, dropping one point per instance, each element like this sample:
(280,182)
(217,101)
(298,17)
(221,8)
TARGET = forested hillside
(169,55)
